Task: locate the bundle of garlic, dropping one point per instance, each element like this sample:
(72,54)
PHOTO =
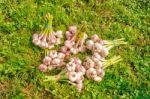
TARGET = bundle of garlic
(95,69)
(76,72)
(47,38)
(52,60)
(75,40)
(102,46)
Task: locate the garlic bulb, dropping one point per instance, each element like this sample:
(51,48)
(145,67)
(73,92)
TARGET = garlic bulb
(73,76)
(104,52)
(95,38)
(91,73)
(71,66)
(56,61)
(47,60)
(43,68)
(89,44)
(73,29)
(97,47)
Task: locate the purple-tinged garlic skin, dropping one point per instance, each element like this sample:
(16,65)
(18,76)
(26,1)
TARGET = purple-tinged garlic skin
(95,38)
(74,50)
(73,76)
(69,35)
(100,72)
(97,47)
(47,60)
(97,55)
(91,73)
(68,44)
(73,29)
(61,55)
(43,67)
(95,59)
(88,63)
(56,61)
(104,52)
(71,66)
(98,65)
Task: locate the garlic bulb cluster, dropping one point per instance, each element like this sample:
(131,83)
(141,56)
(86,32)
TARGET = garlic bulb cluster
(52,60)
(47,38)
(97,45)
(76,72)
(94,69)
(75,40)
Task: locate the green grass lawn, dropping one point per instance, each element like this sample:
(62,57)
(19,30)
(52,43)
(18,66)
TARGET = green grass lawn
(110,19)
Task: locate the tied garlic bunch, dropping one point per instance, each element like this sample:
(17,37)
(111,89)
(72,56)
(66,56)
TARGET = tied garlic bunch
(94,69)
(76,72)
(102,46)
(75,40)
(95,66)
(47,38)
(52,60)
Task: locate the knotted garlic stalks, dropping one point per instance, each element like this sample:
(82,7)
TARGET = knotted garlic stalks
(47,38)
(75,40)
(52,60)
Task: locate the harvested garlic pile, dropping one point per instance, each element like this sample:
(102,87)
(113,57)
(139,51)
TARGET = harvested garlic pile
(75,70)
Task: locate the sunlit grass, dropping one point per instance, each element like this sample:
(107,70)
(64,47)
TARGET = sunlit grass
(110,19)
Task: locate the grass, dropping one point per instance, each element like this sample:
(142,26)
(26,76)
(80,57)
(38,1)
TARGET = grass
(19,58)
